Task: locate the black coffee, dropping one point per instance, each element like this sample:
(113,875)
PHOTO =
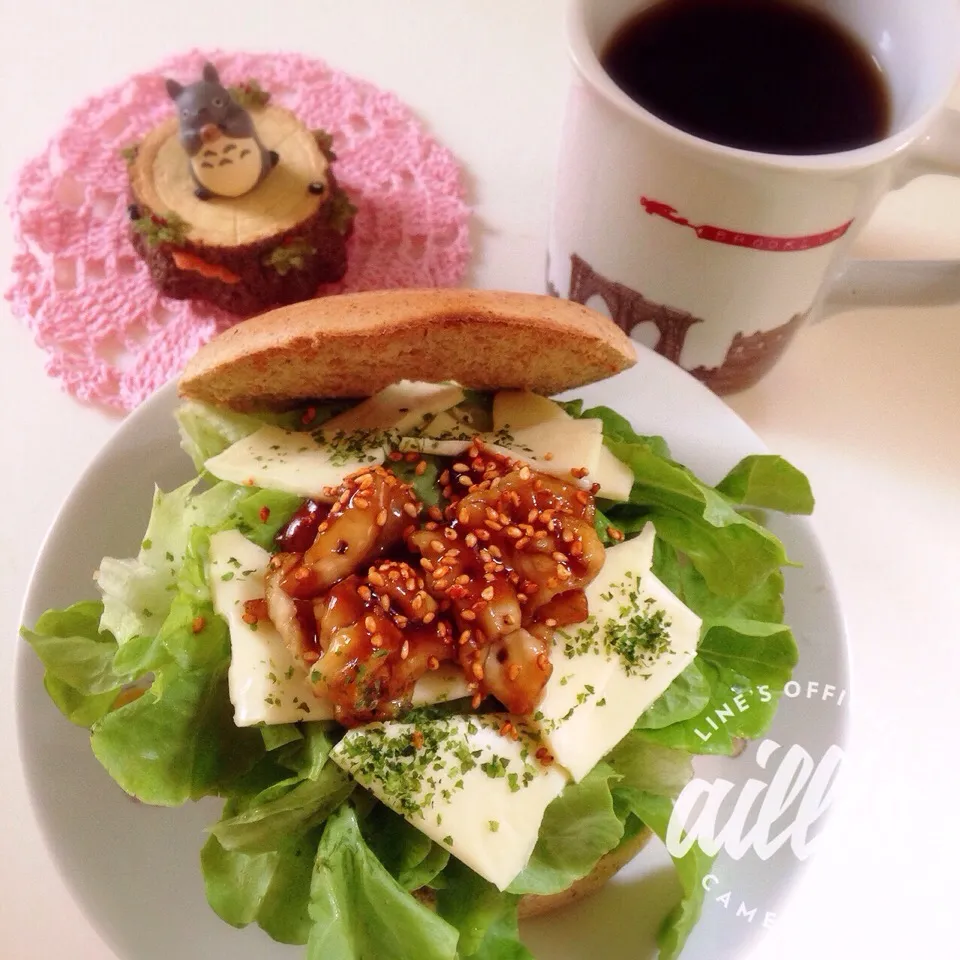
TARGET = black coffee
(767,75)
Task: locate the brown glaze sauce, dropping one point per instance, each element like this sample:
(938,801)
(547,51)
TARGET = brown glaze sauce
(376,591)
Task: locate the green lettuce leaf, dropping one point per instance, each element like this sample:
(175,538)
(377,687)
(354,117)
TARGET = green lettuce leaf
(686,697)
(360,912)
(276,735)
(410,856)
(259,525)
(747,663)
(764,601)
(206,431)
(691,868)
(82,709)
(618,428)
(424,484)
(649,767)
(768,481)
(578,828)
(283,810)
(77,657)
(502,941)
(731,550)
(137,592)
(485,918)
(307,755)
(271,889)
(178,741)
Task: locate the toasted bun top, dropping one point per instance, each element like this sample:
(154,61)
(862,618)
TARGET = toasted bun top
(356,344)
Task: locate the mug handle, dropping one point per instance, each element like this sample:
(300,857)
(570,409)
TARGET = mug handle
(906,283)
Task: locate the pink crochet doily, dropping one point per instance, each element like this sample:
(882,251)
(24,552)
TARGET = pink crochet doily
(111,338)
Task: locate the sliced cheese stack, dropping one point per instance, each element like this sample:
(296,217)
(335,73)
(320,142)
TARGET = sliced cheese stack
(292,462)
(477,792)
(267,683)
(523,410)
(312,464)
(401,407)
(539,432)
(610,669)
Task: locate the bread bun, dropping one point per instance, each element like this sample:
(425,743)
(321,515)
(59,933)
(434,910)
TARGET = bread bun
(534,905)
(356,344)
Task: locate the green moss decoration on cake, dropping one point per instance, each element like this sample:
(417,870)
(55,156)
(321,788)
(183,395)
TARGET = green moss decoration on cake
(156,230)
(290,255)
(249,95)
(129,153)
(342,211)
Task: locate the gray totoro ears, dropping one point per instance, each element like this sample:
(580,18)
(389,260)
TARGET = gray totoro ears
(174,89)
(210,73)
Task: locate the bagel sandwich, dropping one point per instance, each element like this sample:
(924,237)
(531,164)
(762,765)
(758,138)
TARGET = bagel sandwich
(459,636)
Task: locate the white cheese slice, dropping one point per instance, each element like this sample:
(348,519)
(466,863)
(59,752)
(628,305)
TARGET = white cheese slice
(516,409)
(554,448)
(613,475)
(564,445)
(292,462)
(440,686)
(267,683)
(479,794)
(444,425)
(400,407)
(595,695)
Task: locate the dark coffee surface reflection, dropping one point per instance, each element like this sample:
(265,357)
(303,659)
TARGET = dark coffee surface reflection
(766,75)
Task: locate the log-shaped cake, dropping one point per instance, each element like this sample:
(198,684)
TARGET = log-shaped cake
(270,246)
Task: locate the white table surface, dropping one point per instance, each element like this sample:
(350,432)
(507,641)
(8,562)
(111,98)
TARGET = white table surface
(867,404)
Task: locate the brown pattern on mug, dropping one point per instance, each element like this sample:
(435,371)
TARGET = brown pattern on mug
(748,359)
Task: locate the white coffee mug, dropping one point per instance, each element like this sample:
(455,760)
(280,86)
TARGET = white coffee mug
(715,256)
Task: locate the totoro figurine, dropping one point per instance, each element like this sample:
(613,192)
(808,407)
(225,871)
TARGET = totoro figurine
(227,158)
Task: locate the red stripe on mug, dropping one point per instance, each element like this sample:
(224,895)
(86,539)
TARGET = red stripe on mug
(736,238)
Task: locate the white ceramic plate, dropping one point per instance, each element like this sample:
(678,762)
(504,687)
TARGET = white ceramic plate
(135,869)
